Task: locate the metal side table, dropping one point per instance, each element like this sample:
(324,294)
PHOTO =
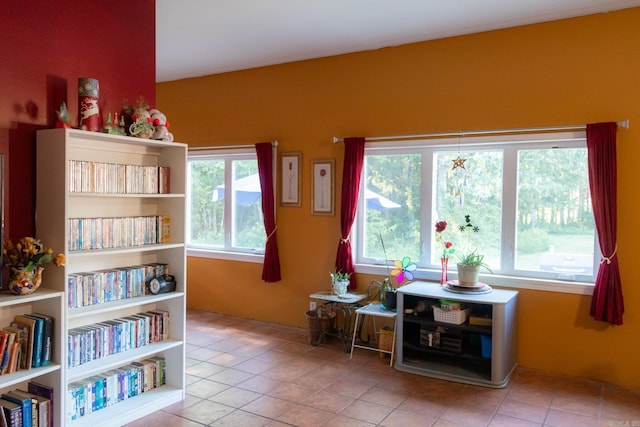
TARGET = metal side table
(344,307)
(375,310)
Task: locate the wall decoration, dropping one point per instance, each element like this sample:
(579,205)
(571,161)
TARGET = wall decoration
(322,183)
(291,170)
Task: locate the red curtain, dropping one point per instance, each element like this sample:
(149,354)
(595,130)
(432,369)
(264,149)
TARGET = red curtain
(351,173)
(271,266)
(607,304)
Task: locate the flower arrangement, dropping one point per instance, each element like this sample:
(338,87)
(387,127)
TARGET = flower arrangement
(447,246)
(471,258)
(29,253)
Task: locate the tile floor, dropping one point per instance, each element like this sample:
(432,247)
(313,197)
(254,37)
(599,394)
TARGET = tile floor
(248,373)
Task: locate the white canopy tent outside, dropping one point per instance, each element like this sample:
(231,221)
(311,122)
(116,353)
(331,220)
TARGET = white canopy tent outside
(248,191)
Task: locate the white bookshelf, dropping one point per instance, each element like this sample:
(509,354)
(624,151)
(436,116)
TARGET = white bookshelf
(56,204)
(47,301)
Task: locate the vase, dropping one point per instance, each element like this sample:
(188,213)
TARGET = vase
(444,274)
(340,287)
(389,300)
(468,274)
(25,282)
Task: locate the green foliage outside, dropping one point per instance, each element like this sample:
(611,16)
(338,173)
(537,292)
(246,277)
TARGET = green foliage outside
(553,198)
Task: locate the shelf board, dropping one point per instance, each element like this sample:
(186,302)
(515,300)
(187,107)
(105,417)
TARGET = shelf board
(127,195)
(119,359)
(17,377)
(8,298)
(131,409)
(92,310)
(128,249)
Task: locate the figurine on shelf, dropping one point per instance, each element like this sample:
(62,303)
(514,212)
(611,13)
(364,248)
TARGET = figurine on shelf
(161,125)
(64,118)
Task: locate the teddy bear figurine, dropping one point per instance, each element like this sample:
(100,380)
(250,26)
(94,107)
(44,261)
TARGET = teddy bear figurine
(161,125)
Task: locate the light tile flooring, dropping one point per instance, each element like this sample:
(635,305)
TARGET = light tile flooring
(248,373)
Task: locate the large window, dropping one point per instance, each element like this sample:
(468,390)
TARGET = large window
(521,201)
(225,203)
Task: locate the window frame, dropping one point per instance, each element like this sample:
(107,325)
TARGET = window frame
(228,252)
(509,144)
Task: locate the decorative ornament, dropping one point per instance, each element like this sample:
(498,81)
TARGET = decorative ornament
(458,163)
(403,269)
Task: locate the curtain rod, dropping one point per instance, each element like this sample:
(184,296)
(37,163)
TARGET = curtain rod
(227,147)
(623,124)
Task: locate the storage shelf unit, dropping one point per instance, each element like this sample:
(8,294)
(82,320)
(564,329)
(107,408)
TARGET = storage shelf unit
(472,354)
(47,301)
(56,205)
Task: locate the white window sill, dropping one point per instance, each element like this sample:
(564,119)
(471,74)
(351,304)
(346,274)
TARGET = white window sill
(496,280)
(226,255)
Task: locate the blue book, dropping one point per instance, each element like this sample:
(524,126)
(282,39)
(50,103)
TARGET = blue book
(26,407)
(38,341)
(47,338)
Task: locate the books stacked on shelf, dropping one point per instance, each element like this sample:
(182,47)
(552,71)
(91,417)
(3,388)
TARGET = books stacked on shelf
(98,340)
(117,232)
(100,391)
(28,408)
(98,287)
(99,177)
(26,343)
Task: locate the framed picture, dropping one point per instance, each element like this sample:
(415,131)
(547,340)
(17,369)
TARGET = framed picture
(322,182)
(291,170)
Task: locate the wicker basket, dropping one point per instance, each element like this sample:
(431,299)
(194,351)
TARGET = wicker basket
(455,317)
(320,322)
(385,341)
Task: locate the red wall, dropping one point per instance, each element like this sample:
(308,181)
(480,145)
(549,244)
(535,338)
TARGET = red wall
(45,46)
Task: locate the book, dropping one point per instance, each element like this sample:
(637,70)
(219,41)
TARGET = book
(26,407)
(28,327)
(16,355)
(12,412)
(42,408)
(34,404)
(46,391)
(4,354)
(3,419)
(38,339)
(47,337)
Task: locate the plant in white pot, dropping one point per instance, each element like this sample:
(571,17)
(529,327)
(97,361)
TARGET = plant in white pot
(339,282)
(469,266)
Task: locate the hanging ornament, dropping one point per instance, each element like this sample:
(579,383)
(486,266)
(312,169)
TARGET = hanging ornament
(458,163)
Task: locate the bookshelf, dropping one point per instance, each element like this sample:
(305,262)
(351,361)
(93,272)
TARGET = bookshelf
(75,181)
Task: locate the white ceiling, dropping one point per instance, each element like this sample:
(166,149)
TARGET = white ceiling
(201,37)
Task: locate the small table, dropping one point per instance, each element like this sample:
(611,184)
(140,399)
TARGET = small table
(344,304)
(375,310)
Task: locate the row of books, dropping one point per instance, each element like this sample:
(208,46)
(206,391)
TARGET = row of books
(27,408)
(91,342)
(117,232)
(99,177)
(98,287)
(100,391)
(26,343)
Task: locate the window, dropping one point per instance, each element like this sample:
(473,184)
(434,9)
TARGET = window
(522,201)
(224,204)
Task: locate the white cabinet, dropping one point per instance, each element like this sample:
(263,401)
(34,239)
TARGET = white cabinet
(76,185)
(481,350)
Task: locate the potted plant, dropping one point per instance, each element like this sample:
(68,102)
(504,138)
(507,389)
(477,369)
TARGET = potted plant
(25,261)
(469,268)
(339,282)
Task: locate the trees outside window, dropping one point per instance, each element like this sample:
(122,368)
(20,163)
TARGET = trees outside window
(521,201)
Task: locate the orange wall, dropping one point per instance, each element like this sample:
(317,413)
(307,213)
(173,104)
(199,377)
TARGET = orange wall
(572,71)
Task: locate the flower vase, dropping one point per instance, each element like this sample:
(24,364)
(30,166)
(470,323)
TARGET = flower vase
(444,275)
(23,282)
